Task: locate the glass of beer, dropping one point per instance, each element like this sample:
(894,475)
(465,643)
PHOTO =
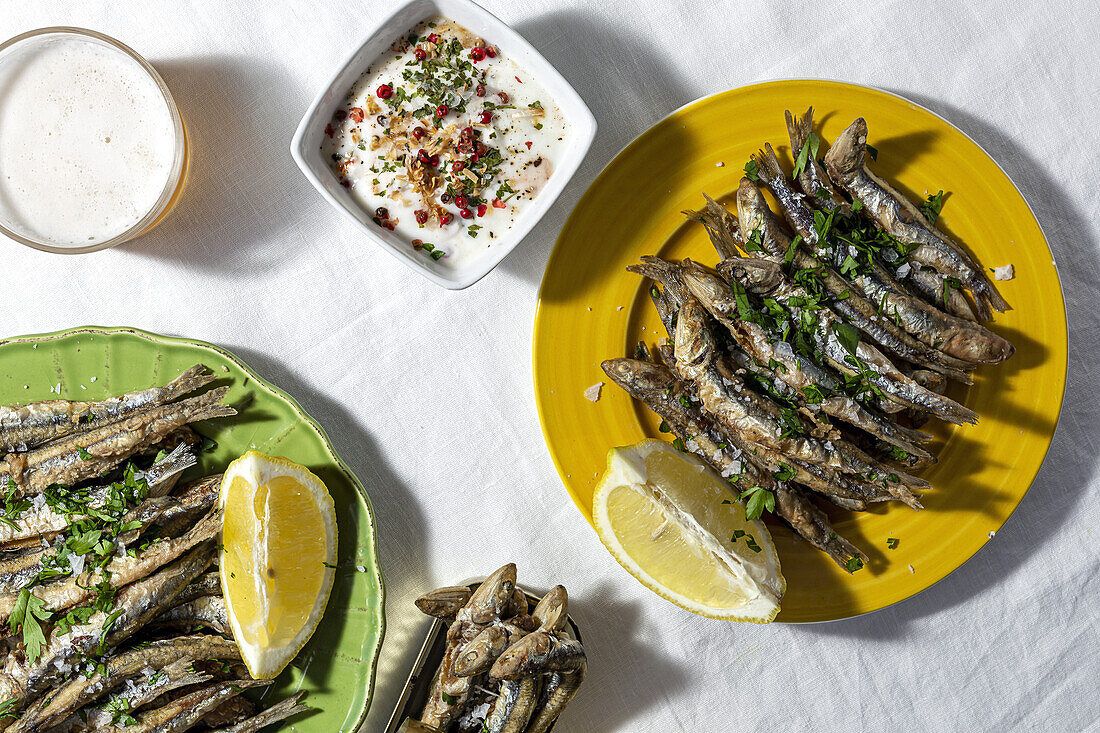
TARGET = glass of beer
(93,150)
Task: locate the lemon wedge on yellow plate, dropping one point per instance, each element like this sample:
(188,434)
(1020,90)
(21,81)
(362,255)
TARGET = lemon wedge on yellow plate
(277,559)
(676,526)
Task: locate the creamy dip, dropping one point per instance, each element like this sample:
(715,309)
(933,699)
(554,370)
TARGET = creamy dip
(445,141)
(87,140)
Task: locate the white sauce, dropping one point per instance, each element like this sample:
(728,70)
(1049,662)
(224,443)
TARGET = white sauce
(87,140)
(528,153)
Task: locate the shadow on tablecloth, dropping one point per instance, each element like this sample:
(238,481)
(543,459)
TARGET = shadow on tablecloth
(1072,463)
(621,79)
(240,115)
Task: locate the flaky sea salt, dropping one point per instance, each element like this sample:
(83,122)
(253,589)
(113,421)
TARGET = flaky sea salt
(592,394)
(1005,272)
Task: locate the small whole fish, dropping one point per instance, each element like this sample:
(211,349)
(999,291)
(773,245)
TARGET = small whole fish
(23,427)
(90,454)
(512,709)
(39,521)
(121,570)
(185,712)
(800,374)
(846,166)
(79,691)
(762,277)
(144,690)
(754,215)
(558,691)
(740,409)
(957,337)
(444,602)
(135,605)
(538,653)
(279,711)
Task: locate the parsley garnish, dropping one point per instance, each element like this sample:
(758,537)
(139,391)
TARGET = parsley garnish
(759,499)
(932,207)
(26,615)
(854,563)
(808,153)
(752,171)
(892,542)
(847,335)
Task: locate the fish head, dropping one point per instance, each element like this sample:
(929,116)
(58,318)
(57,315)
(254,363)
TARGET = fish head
(639,378)
(552,611)
(757,276)
(694,342)
(848,152)
(493,595)
(710,289)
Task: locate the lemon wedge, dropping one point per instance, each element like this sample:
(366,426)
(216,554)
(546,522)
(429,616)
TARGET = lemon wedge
(676,526)
(277,558)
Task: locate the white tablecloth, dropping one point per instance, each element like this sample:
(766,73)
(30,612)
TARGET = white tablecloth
(427,393)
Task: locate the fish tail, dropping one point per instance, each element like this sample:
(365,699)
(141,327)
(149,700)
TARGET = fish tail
(768,167)
(987,296)
(797,130)
(188,382)
(207,406)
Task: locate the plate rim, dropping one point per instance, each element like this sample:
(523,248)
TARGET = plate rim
(683,109)
(353,480)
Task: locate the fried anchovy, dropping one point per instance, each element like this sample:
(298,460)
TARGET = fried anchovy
(740,409)
(135,605)
(444,602)
(754,215)
(449,692)
(552,612)
(90,454)
(78,690)
(186,712)
(20,568)
(28,426)
(656,386)
(41,520)
(846,165)
(958,337)
(209,584)
(143,691)
(538,653)
(801,375)
(120,571)
(477,656)
(812,179)
(512,709)
(864,360)
(208,611)
(279,711)
(558,690)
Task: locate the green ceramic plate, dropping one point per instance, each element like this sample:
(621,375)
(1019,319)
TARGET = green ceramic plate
(337,666)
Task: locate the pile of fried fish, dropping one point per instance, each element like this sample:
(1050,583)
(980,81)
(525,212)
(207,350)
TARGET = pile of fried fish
(110,619)
(505,669)
(802,366)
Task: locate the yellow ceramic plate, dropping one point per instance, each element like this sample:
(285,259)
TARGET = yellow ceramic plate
(590,309)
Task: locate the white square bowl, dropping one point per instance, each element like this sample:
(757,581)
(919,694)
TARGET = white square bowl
(306,145)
